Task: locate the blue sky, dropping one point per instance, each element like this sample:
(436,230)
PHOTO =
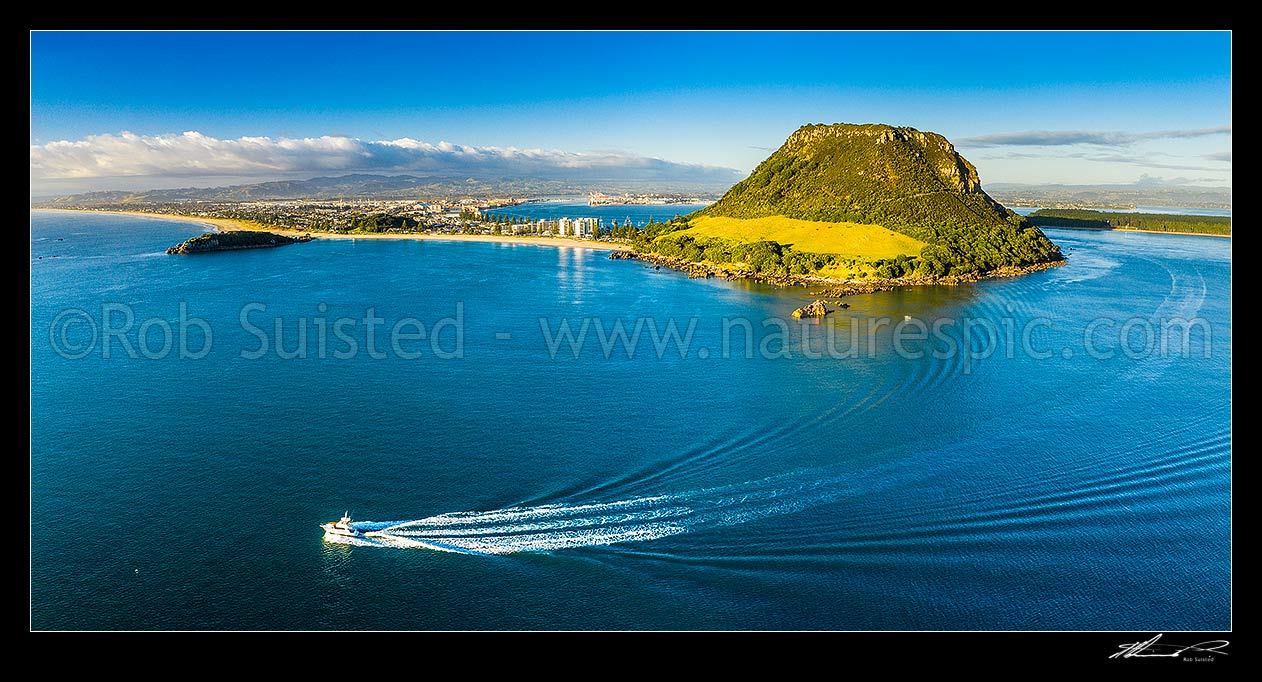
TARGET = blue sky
(1024,107)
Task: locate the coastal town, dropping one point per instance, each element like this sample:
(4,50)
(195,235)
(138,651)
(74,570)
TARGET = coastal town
(652,199)
(375,216)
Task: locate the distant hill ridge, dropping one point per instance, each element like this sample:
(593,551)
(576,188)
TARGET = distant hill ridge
(370,186)
(354,185)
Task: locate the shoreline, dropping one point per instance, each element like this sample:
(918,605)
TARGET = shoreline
(832,287)
(230,224)
(1132,229)
(1185,234)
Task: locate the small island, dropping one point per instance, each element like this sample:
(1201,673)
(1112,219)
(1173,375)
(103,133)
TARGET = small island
(233,241)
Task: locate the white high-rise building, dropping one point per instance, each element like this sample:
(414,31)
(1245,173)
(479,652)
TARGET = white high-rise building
(566,227)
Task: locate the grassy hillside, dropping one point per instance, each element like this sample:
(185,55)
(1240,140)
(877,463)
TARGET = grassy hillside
(849,240)
(1155,222)
(677,239)
(910,182)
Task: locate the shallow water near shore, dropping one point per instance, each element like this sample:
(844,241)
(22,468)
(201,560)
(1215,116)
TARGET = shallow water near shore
(521,483)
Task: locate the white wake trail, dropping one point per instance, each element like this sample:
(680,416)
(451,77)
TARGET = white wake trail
(550,527)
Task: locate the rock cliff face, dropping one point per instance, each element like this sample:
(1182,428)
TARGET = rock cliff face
(953,169)
(813,141)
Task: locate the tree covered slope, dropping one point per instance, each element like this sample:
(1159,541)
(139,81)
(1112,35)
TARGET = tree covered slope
(908,181)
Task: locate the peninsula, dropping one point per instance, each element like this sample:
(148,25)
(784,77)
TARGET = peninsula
(855,208)
(864,207)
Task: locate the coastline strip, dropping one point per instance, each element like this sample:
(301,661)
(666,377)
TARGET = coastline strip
(1185,234)
(1131,229)
(230,224)
(618,251)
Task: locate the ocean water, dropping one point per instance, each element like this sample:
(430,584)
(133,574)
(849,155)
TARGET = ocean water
(507,482)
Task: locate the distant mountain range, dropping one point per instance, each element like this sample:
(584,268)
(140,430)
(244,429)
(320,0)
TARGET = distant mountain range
(1110,196)
(368,186)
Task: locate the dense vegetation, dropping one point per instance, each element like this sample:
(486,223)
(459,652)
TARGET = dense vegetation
(228,241)
(381,222)
(900,178)
(1156,222)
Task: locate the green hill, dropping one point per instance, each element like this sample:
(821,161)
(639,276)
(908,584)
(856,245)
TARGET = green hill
(911,182)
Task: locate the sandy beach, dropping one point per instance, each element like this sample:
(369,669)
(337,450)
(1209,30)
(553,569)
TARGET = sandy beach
(227,224)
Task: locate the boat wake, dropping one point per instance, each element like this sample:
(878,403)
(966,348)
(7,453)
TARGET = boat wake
(549,527)
(1134,476)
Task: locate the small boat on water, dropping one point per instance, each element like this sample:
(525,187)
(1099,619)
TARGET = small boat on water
(341,528)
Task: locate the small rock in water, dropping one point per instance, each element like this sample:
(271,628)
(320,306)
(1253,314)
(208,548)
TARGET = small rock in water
(816,309)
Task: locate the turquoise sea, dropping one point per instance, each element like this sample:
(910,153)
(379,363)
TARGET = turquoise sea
(1037,459)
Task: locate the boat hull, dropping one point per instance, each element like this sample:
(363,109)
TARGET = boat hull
(339,533)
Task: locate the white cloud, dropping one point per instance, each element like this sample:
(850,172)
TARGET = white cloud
(192,154)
